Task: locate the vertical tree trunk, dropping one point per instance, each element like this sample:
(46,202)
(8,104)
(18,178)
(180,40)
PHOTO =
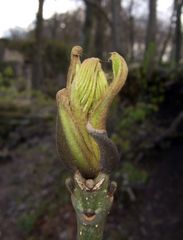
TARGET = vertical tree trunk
(55,26)
(131,30)
(117,38)
(178,33)
(150,47)
(88,27)
(167,39)
(94,27)
(131,38)
(39,49)
(151,26)
(100,30)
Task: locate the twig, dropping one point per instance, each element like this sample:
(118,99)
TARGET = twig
(92,200)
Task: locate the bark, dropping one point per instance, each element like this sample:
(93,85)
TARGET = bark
(88,27)
(150,48)
(178,33)
(37,76)
(167,39)
(94,27)
(152,24)
(55,27)
(100,31)
(131,30)
(117,37)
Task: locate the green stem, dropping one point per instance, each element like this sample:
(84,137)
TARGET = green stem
(92,200)
(90,232)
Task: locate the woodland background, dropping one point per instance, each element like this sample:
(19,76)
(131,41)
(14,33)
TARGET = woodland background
(145,122)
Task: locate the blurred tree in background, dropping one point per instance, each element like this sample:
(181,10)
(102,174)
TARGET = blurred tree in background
(37,73)
(150,42)
(101,26)
(178,31)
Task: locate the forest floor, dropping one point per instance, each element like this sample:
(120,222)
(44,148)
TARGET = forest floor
(35,205)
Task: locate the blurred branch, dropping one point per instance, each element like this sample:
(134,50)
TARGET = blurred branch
(168,134)
(172,130)
(130,8)
(169,34)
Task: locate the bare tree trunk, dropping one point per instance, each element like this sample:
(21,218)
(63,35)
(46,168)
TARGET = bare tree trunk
(94,27)
(55,26)
(131,30)
(178,33)
(152,22)
(150,48)
(39,49)
(88,27)
(117,38)
(167,39)
(100,30)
